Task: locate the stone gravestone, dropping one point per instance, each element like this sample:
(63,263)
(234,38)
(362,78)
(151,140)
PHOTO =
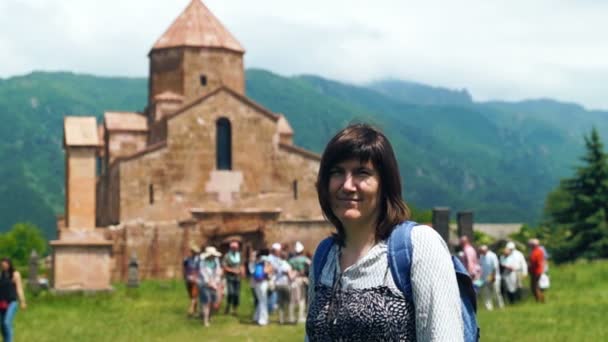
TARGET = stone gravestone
(33,272)
(465,224)
(133,275)
(441,222)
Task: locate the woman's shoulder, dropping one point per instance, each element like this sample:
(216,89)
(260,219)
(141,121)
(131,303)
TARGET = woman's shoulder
(425,232)
(427,238)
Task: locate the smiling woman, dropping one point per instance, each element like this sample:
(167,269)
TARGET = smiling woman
(352,293)
(353,188)
(359,163)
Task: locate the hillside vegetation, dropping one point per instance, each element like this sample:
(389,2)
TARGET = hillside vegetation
(499,159)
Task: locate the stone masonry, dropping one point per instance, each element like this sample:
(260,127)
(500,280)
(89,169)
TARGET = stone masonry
(202,163)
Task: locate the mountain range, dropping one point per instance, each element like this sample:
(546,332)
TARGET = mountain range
(498,159)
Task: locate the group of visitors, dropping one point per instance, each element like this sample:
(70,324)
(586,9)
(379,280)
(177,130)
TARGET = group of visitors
(278,281)
(498,277)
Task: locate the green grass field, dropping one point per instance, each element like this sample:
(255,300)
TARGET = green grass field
(576,310)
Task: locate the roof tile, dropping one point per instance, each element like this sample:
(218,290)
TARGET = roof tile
(197,27)
(125,121)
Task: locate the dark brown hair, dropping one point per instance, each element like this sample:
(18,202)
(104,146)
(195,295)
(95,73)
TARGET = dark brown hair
(366,143)
(11,268)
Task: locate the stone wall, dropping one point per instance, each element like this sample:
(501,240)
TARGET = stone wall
(220,67)
(166,72)
(309,233)
(179,70)
(123,144)
(81,265)
(161,246)
(183,174)
(157,245)
(80,187)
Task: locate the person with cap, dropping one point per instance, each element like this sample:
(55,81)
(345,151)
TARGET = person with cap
(190,273)
(300,264)
(508,263)
(275,261)
(232,264)
(283,279)
(536,269)
(521,267)
(210,277)
(490,277)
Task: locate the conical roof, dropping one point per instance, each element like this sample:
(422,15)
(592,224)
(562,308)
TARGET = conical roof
(197,27)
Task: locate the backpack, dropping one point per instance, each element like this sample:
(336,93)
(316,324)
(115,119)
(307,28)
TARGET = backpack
(399,261)
(258,271)
(191,266)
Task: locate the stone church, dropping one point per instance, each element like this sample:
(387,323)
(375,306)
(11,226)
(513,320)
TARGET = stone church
(202,163)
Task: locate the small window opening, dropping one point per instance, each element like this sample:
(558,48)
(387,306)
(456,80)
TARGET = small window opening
(99,166)
(223,144)
(203,80)
(295,189)
(151,193)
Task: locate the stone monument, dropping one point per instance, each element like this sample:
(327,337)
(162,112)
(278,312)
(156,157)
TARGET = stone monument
(81,255)
(465,224)
(133,276)
(33,272)
(441,222)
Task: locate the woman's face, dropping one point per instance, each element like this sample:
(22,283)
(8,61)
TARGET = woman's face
(354,190)
(5,265)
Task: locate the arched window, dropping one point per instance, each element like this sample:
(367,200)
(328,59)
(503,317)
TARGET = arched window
(223,144)
(151,193)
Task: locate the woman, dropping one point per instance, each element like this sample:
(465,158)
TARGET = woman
(356,299)
(233,268)
(11,290)
(191,266)
(210,277)
(261,273)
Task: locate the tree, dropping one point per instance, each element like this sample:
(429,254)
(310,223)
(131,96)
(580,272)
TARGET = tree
(19,242)
(577,209)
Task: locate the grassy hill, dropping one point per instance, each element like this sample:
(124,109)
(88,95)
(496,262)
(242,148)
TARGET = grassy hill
(575,310)
(32,108)
(499,159)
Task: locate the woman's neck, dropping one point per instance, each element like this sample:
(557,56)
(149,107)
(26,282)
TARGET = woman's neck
(357,243)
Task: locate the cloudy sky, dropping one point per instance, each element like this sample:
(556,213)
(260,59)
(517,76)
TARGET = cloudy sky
(510,50)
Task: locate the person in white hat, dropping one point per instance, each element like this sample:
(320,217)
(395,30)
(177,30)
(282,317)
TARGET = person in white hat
(508,264)
(275,261)
(210,277)
(300,264)
(521,267)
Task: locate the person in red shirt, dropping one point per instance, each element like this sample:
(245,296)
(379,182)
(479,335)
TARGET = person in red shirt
(536,267)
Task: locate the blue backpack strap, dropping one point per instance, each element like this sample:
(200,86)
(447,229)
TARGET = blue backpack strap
(400,256)
(468,300)
(465,283)
(320,257)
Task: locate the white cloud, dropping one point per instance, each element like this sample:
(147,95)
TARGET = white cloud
(497,49)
